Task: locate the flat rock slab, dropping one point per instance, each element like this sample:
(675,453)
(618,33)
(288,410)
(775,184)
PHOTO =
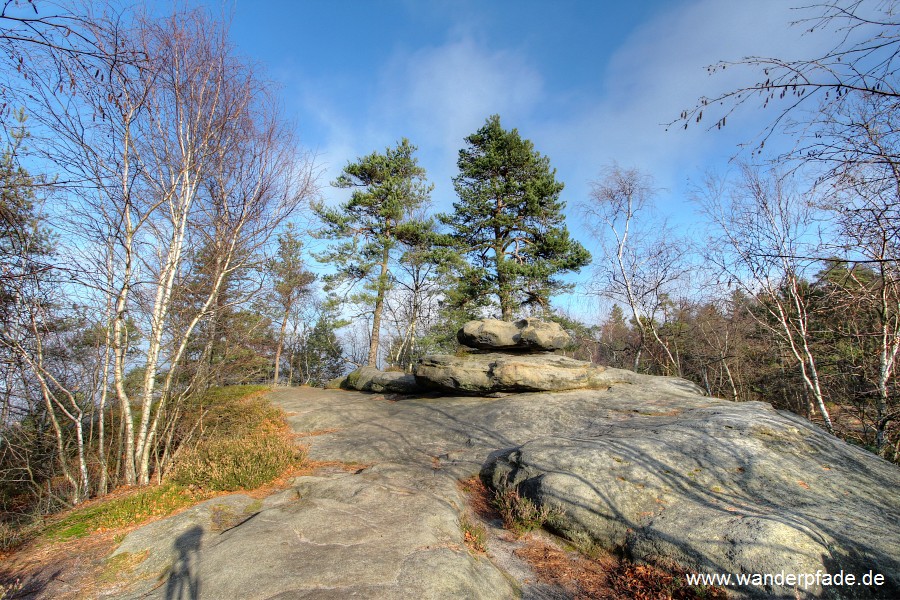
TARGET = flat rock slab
(649,468)
(389,531)
(494,372)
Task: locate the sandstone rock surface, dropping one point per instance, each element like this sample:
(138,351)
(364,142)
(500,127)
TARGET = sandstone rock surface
(330,536)
(649,468)
(370,379)
(494,372)
(719,487)
(526,334)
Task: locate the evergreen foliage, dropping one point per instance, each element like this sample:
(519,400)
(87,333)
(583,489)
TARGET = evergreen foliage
(292,282)
(320,356)
(388,189)
(509,222)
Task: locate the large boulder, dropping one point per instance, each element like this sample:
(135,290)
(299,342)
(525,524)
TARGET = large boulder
(370,379)
(718,487)
(490,373)
(523,335)
(395,383)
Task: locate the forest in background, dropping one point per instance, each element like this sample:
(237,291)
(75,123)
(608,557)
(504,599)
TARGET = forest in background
(157,213)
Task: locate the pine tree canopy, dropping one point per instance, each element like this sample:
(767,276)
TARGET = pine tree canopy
(509,221)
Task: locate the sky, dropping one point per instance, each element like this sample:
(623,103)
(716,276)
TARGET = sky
(588,82)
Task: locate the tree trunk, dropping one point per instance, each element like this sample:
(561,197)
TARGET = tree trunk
(372,360)
(503,293)
(284,321)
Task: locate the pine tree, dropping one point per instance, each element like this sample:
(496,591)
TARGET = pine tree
(292,282)
(509,222)
(388,189)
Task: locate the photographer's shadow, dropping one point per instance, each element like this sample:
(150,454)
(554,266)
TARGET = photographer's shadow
(184,581)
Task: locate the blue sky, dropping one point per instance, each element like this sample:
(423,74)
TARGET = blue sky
(588,82)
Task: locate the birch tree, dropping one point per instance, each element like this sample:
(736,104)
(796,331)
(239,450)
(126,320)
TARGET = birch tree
(766,243)
(185,150)
(643,258)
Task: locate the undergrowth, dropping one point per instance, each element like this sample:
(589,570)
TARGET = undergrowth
(519,513)
(474,534)
(245,443)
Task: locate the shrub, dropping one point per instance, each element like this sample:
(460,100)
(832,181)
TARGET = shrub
(11,535)
(473,534)
(519,513)
(247,462)
(246,443)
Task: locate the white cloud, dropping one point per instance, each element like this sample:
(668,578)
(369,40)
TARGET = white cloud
(446,92)
(660,70)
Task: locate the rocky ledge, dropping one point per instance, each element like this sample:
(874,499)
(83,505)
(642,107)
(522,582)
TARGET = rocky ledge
(483,374)
(650,469)
(497,357)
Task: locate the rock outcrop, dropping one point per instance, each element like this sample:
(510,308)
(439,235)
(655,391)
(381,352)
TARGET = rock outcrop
(717,487)
(520,358)
(494,372)
(649,469)
(524,335)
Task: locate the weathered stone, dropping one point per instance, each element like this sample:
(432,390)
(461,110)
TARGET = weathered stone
(385,532)
(649,468)
(336,383)
(494,372)
(370,379)
(395,382)
(657,471)
(727,488)
(525,334)
(360,379)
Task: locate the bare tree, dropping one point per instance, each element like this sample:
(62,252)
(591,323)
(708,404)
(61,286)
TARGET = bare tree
(864,199)
(187,151)
(766,243)
(643,259)
(862,60)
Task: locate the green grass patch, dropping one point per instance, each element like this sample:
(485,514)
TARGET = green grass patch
(123,511)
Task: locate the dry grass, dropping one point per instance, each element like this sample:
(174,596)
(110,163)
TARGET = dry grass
(480,498)
(246,444)
(607,577)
